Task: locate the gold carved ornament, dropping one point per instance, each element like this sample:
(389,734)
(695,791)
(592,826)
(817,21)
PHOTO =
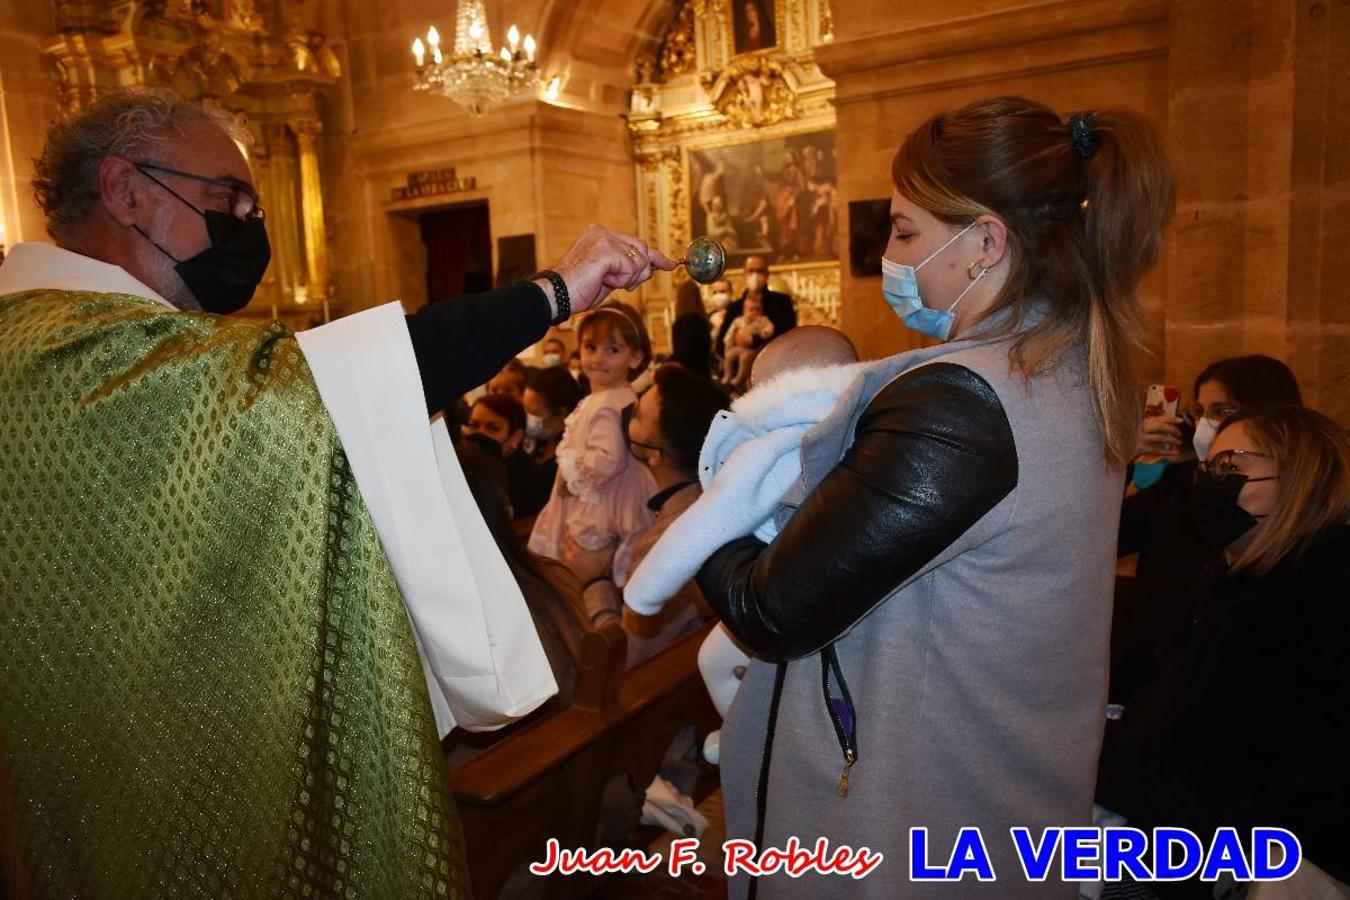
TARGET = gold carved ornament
(752,92)
(678,54)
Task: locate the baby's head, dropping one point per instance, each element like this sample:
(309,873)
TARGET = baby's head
(807,346)
(754,307)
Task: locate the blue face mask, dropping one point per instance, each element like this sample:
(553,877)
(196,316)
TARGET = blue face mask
(1146,475)
(900,284)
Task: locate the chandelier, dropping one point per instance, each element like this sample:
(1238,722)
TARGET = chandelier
(475,75)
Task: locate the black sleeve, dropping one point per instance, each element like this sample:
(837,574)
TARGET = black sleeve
(786,318)
(1139,512)
(461,343)
(933,452)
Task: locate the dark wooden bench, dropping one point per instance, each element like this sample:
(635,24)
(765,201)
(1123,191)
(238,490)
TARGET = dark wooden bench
(544,778)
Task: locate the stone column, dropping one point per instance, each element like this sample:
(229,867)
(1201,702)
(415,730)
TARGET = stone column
(282,217)
(311,208)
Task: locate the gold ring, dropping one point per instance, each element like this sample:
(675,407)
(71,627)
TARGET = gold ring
(631,252)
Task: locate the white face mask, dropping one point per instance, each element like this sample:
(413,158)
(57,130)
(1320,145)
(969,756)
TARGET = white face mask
(552,359)
(535,429)
(721,299)
(1205,430)
(755,282)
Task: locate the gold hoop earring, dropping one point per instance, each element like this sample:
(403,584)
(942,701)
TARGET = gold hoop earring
(971,274)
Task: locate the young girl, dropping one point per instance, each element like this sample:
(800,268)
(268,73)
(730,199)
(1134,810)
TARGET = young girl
(600,499)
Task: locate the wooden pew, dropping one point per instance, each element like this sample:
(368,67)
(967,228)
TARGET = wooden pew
(544,778)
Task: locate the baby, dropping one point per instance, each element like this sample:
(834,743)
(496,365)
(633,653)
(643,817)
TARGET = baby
(745,336)
(795,382)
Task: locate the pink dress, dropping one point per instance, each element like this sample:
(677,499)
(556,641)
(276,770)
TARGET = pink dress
(610,489)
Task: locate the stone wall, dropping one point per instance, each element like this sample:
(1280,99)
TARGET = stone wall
(544,169)
(1256,126)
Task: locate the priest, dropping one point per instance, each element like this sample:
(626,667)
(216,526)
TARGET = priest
(245,588)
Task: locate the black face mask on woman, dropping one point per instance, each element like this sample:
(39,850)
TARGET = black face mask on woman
(485,444)
(1215,511)
(224,276)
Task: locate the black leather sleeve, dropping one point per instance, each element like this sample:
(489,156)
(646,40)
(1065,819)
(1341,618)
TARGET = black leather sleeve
(933,452)
(461,343)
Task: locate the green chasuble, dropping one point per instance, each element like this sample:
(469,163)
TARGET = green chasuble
(210,686)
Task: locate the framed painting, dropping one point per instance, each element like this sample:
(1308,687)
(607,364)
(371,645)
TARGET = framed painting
(778,198)
(753,25)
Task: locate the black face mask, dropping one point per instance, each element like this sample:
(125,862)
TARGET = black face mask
(224,276)
(626,417)
(1215,511)
(484,443)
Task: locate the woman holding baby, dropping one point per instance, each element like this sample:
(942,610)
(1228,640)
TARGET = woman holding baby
(931,623)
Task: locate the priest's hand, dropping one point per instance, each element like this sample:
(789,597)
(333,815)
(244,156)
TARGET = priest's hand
(604,260)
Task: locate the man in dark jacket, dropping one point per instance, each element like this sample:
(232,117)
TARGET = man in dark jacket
(777,306)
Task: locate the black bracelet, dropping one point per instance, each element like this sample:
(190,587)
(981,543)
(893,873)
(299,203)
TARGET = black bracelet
(560,294)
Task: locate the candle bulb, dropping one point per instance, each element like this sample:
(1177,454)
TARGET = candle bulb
(433,38)
(513,38)
(506,55)
(419,52)
(529,47)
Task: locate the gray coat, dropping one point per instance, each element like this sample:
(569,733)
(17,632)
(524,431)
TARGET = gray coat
(979,683)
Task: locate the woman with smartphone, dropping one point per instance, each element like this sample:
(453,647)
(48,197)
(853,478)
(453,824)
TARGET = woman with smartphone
(931,622)
(1173,553)
(1224,387)
(1245,726)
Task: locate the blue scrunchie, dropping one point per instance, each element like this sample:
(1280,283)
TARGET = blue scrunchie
(1081,127)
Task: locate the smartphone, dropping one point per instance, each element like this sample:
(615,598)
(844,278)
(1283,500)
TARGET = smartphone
(1187,429)
(1162,400)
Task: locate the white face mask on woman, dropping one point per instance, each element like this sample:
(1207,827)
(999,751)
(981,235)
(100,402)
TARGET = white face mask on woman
(1205,430)
(536,430)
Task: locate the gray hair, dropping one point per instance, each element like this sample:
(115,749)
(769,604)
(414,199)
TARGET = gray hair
(133,122)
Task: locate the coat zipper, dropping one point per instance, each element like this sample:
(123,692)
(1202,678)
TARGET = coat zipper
(842,713)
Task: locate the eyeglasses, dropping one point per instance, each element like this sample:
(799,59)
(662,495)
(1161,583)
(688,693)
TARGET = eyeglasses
(243,201)
(1197,412)
(1225,464)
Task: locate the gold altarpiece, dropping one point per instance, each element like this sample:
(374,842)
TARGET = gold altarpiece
(240,56)
(696,96)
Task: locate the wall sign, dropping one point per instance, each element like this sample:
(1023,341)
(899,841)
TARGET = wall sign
(432,183)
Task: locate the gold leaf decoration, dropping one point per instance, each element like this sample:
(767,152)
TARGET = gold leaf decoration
(679,52)
(752,92)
